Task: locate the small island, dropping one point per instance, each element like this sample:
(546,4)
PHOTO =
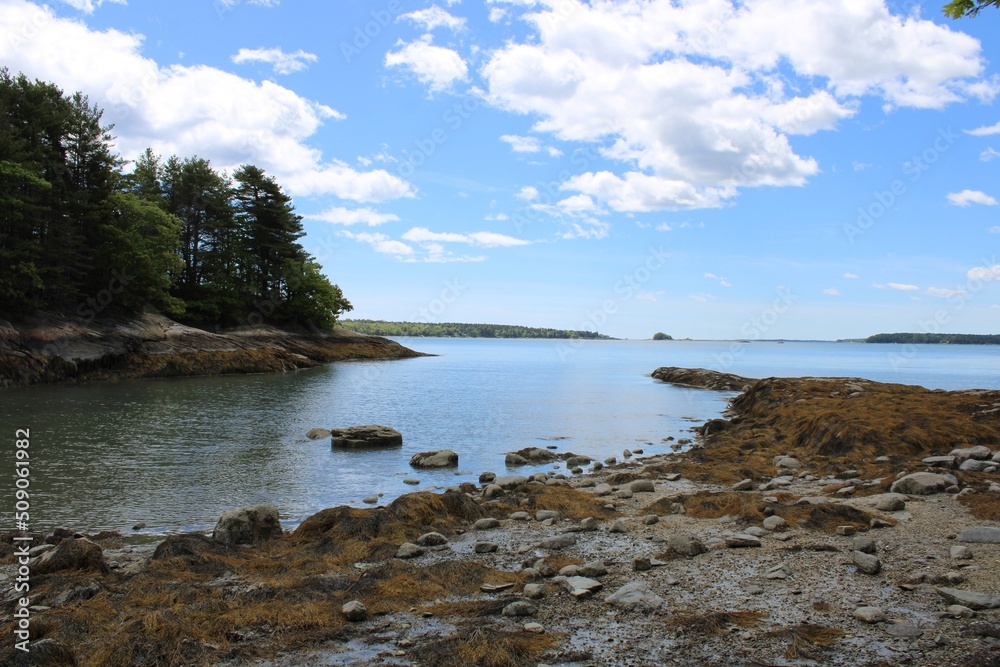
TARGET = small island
(659,335)
(935,339)
(457,330)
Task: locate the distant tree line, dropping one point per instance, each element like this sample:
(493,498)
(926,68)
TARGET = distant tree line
(454,330)
(929,338)
(80,236)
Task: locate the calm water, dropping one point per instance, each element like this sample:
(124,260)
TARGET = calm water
(177,453)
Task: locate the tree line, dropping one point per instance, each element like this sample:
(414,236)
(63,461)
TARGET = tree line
(80,235)
(456,330)
(932,338)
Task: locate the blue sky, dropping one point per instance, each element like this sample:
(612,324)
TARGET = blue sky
(772,169)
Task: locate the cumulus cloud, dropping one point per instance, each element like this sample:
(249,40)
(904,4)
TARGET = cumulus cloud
(434,66)
(182,110)
(989,154)
(698,100)
(722,281)
(944,292)
(985,131)
(434,17)
(831,291)
(339,215)
(381,243)
(903,287)
(482,239)
(850,275)
(967,197)
(984,273)
(281,62)
(520,144)
(88,6)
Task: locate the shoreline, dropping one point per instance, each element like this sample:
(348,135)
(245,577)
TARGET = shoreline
(767,574)
(48,349)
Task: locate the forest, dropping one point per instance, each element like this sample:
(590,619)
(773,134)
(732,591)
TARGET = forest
(82,236)
(455,330)
(933,338)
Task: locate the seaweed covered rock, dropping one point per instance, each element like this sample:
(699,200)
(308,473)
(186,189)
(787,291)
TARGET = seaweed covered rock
(369,436)
(249,525)
(71,554)
(444,458)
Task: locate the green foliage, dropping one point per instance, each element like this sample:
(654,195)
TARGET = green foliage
(454,330)
(959,8)
(659,335)
(929,338)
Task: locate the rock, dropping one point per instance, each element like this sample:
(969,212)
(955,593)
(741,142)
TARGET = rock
(412,481)
(485,547)
(672,477)
(594,568)
(624,493)
(865,544)
(756,531)
(519,609)
(974,465)
(618,527)
(923,483)
(432,540)
(610,461)
(534,591)
(570,571)
(905,630)
(487,477)
(70,554)
(650,520)
(531,574)
(370,436)
(742,541)
(713,426)
(636,596)
(627,454)
(969,599)
(249,525)
(603,489)
(520,516)
(491,491)
(515,460)
(641,486)
(980,535)
(508,482)
(979,452)
(536,628)
(686,545)
(371,500)
(354,611)
(846,531)
(878,523)
(317,433)
(939,461)
(641,564)
(960,611)
(891,502)
(542,515)
(744,485)
(581,587)
(775,523)
(866,563)
(443,458)
(869,614)
(787,462)
(409,550)
(139,526)
(558,542)
(486,524)
(961,552)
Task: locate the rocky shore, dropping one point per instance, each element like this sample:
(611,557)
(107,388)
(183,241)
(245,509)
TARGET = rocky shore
(827,521)
(48,349)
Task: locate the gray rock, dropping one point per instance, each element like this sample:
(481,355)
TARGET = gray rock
(624,493)
(370,500)
(969,599)
(636,596)
(756,531)
(869,614)
(443,458)
(775,523)
(487,477)
(979,452)
(519,609)
(581,587)
(744,485)
(923,483)
(891,502)
(650,520)
(492,491)
(642,564)
(569,571)
(960,611)
(70,554)
(486,547)
(249,525)
(618,527)
(432,540)
(317,433)
(486,524)
(544,567)
(961,552)
(534,591)
(354,611)
(594,568)
(508,482)
(865,544)
(538,629)
(542,515)
(558,542)
(520,516)
(409,550)
(846,531)
(974,465)
(531,574)
(866,563)
(939,461)
(641,486)
(588,524)
(787,462)
(686,545)
(904,630)
(515,460)
(742,541)
(980,535)
(603,490)
(412,481)
(370,436)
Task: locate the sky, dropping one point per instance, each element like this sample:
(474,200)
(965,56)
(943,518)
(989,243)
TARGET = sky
(802,169)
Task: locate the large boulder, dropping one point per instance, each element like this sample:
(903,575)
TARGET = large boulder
(980,535)
(250,525)
(370,436)
(444,458)
(979,453)
(70,554)
(533,455)
(923,483)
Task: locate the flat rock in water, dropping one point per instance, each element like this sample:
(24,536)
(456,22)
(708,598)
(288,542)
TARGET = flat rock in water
(317,433)
(636,596)
(923,483)
(369,436)
(444,458)
(980,535)
(970,599)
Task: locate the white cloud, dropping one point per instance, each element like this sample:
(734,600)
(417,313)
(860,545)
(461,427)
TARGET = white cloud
(850,275)
(903,287)
(703,297)
(259,3)
(831,291)
(995,229)
(695,100)
(553,151)
(984,273)
(664,227)
(381,243)
(520,144)
(967,197)
(497,14)
(722,281)
(88,6)
(944,292)
(434,66)
(643,295)
(281,62)
(989,154)
(498,216)
(528,193)
(985,131)
(861,166)
(482,239)
(435,17)
(344,216)
(197,110)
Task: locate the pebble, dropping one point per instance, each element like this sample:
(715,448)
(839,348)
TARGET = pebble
(486,547)
(603,489)
(650,520)
(534,591)
(536,628)
(594,568)
(869,614)
(775,523)
(411,481)
(542,515)
(686,545)
(846,530)
(865,544)
(409,550)
(520,516)
(519,608)
(960,611)
(558,542)
(432,540)
(742,541)
(486,524)
(641,564)
(744,485)
(624,493)
(961,552)
(371,500)
(641,486)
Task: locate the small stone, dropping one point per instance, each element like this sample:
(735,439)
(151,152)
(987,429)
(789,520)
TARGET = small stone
(536,628)
(624,493)
(904,630)
(371,500)
(846,530)
(744,485)
(961,552)
(519,608)
(869,614)
(603,489)
(409,550)
(491,491)
(487,477)
(973,465)
(581,587)
(923,483)
(432,540)
(486,547)
(139,526)
(875,522)
(520,516)
(594,568)
(531,574)
(542,515)
(979,452)
(354,611)
(558,542)
(570,571)
(641,564)
(534,591)
(686,545)
(588,524)
(618,527)
(627,454)
(641,486)
(412,481)
(486,524)
(939,461)
(865,544)
(787,462)
(969,599)
(650,520)
(544,567)
(742,541)
(636,596)
(775,523)
(610,461)
(672,477)
(866,563)
(891,503)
